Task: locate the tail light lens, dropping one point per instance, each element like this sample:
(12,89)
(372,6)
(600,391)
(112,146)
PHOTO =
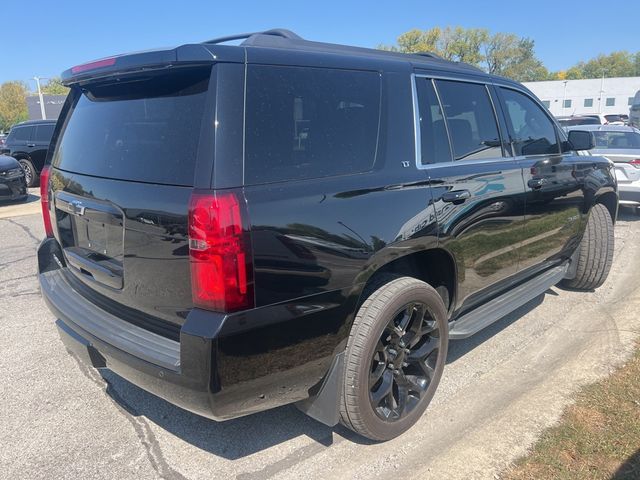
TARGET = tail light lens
(635,162)
(220,252)
(44,199)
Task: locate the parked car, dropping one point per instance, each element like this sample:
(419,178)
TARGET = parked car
(28,143)
(577,120)
(621,145)
(12,180)
(235,228)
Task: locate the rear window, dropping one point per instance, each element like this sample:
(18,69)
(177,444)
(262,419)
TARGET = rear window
(143,130)
(623,140)
(309,122)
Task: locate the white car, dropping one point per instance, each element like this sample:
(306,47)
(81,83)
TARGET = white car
(621,145)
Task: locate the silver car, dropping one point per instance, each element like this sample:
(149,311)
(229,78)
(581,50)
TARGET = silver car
(621,145)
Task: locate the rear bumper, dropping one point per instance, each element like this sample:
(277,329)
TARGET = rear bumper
(179,372)
(223,366)
(629,193)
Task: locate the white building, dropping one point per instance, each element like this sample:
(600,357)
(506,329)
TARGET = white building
(595,95)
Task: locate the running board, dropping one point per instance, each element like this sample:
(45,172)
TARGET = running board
(494,310)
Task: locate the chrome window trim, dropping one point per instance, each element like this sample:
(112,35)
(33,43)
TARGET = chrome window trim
(416,120)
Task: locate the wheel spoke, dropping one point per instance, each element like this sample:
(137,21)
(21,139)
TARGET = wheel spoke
(427,369)
(425,350)
(384,389)
(376,373)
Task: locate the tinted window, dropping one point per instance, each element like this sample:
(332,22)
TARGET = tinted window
(434,143)
(20,134)
(470,120)
(611,102)
(44,133)
(141,130)
(546,103)
(533,132)
(309,122)
(617,140)
(566,104)
(588,102)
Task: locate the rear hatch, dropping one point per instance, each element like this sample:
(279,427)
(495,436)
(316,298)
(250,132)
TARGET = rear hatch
(122,173)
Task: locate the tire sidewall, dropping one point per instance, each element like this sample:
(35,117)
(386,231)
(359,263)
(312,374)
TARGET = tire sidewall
(378,428)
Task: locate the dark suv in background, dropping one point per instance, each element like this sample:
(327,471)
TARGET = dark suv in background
(28,143)
(235,228)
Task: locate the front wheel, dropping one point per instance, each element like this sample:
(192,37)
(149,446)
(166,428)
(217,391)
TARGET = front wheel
(394,359)
(595,252)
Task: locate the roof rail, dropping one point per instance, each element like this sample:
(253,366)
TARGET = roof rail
(426,54)
(276,32)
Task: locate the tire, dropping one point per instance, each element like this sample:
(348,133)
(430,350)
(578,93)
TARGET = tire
(403,321)
(31,176)
(595,252)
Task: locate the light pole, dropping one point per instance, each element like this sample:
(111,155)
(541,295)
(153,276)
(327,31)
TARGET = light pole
(42,111)
(564,95)
(601,107)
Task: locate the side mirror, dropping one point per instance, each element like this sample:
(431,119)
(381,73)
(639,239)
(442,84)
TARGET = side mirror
(581,140)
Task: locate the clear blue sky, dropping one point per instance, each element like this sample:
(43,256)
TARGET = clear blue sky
(44,38)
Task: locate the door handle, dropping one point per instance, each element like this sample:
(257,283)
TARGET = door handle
(456,196)
(537,183)
(31,144)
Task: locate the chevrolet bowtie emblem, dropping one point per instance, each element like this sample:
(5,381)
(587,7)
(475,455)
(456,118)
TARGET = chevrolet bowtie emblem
(77,207)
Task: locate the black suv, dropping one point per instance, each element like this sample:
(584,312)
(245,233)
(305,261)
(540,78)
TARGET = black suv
(28,143)
(235,228)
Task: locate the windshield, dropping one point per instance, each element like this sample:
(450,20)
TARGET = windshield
(145,130)
(617,140)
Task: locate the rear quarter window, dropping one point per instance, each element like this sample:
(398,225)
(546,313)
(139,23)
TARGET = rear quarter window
(144,130)
(20,134)
(309,122)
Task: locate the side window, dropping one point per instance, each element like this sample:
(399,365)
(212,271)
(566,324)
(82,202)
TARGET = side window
(434,143)
(21,134)
(309,122)
(470,120)
(44,133)
(533,132)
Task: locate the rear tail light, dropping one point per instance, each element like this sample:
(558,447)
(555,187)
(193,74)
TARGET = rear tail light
(220,252)
(44,199)
(635,162)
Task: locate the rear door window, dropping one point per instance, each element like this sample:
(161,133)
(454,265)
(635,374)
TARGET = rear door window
(533,132)
(44,133)
(434,142)
(139,130)
(309,122)
(471,120)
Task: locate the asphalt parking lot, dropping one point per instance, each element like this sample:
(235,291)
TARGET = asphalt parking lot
(59,419)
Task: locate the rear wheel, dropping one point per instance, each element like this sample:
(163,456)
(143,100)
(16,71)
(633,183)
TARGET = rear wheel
(394,359)
(595,252)
(30,175)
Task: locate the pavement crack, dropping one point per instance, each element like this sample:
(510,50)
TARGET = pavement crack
(24,228)
(140,425)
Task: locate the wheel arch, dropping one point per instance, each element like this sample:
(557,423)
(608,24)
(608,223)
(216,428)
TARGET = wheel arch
(435,266)
(610,200)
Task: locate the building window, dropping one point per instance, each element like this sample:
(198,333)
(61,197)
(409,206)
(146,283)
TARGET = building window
(630,101)
(588,102)
(566,104)
(611,102)
(546,103)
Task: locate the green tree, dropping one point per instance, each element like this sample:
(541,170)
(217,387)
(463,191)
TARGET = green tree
(55,87)
(501,53)
(13,104)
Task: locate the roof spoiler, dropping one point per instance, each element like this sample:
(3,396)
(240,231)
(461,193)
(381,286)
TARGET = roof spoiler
(149,60)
